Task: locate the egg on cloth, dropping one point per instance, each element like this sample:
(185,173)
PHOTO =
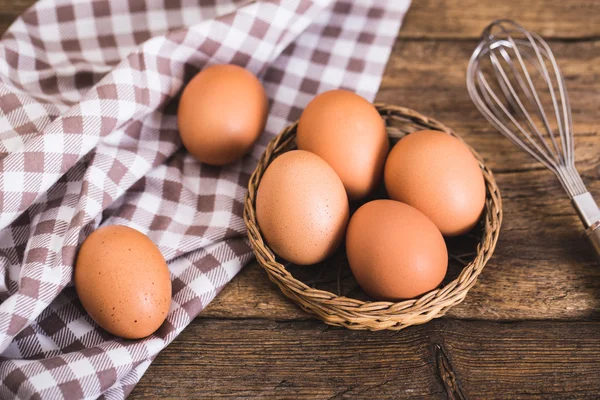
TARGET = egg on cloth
(221,114)
(302,208)
(123,281)
(437,174)
(346,131)
(395,252)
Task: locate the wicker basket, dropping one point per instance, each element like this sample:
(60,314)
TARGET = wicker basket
(355,313)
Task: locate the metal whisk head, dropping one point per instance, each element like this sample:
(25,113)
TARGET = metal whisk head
(509,72)
(515,82)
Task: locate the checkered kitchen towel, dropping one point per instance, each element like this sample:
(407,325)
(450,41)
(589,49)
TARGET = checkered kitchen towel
(88,137)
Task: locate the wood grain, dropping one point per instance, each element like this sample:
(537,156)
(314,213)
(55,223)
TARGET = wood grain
(307,360)
(555,19)
(11,9)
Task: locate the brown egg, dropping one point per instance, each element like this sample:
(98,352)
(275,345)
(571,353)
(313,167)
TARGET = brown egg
(395,252)
(222,112)
(123,281)
(302,208)
(437,174)
(346,131)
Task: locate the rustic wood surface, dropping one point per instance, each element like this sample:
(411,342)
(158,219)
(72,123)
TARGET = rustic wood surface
(530,328)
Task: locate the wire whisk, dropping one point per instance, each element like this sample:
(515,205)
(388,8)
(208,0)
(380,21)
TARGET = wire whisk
(515,82)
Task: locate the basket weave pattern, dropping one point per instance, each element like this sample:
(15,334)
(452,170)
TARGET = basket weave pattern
(374,315)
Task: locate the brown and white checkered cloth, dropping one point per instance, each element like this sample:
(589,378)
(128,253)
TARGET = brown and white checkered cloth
(88,137)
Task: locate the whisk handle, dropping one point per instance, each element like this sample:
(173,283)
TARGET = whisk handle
(590,217)
(593,235)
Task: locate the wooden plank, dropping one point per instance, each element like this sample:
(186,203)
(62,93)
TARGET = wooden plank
(524,360)
(306,360)
(542,269)
(252,295)
(10,10)
(443,19)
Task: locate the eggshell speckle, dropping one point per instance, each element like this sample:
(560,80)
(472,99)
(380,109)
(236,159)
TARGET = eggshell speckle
(346,131)
(437,174)
(302,208)
(395,252)
(222,112)
(123,281)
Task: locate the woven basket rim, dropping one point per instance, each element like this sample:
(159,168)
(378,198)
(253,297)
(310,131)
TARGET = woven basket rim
(374,315)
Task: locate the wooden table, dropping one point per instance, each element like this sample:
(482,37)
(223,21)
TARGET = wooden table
(530,328)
